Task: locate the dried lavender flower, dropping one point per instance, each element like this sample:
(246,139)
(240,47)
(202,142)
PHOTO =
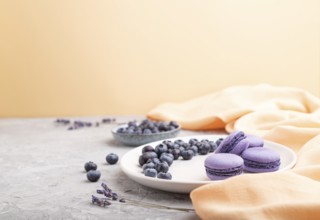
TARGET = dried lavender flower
(100,201)
(114,196)
(105,186)
(99,191)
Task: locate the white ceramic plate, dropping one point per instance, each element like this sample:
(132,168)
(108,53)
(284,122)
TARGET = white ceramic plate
(189,174)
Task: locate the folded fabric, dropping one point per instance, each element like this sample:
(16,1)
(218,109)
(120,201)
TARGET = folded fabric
(286,115)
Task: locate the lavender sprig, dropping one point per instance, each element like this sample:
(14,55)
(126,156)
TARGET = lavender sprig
(100,201)
(109,195)
(77,124)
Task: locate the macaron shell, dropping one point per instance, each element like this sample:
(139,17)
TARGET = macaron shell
(223,165)
(240,147)
(260,159)
(231,141)
(254,141)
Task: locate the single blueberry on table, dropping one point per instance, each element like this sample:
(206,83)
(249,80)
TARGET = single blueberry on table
(112,158)
(93,175)
(90,166)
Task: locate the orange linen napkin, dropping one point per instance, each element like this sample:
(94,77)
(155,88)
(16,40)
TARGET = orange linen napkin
(285,115)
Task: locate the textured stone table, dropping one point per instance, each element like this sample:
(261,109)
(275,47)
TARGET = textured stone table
(42,173)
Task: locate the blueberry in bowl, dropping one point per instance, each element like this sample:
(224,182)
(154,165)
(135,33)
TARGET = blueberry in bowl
(136,133)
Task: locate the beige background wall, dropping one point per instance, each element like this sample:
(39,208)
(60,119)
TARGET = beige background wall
(64,57)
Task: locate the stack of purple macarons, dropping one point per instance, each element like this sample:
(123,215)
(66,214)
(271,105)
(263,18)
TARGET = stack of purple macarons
(240,152)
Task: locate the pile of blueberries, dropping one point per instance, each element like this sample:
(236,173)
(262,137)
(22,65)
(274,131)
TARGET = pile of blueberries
(155,161)
(90,167)
(148,126)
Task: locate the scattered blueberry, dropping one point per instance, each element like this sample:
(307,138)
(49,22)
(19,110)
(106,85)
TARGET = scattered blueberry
(147,149)
(148,165)
(163,175)
(93,175)
(112,158)
(204,148)
(154,160)
(151,172)
(187,154)
(213,146)
(175,153)
(167,158)
(194,149)
(146,156)
(219,141)
(162,167)
(161,148)
(90,166)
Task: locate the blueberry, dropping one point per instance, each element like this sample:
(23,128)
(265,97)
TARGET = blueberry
(112,158)
(151,172)
(192,141)
(204,148)
(170,144)
(162,167)
(148,165)
(154,160)
(163,175)
(93,175)
(167,158)
(179,142)
(147,131)
(174,124)
(187,154)
(155,130)
(90,166)
(147,149)
(161,148)
(146,156)
(194,149)
(121,130)
(219,141)
(213,146)
(175,153)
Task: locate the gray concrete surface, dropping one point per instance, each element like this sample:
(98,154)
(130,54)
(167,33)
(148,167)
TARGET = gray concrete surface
(42,173)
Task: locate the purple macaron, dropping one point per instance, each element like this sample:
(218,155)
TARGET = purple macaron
(261,159)
(254,141)
(234,143)
(223,165)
